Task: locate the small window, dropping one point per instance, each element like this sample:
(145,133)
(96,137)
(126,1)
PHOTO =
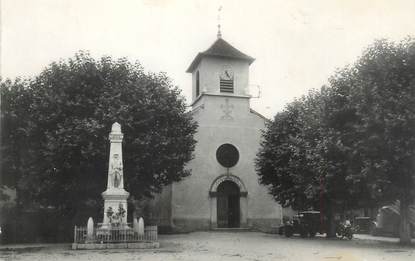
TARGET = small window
(197,84)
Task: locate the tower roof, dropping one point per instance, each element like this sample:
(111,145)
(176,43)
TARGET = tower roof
(220,48)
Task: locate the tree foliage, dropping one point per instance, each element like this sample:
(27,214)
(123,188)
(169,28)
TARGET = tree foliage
(56,125)
(350,144)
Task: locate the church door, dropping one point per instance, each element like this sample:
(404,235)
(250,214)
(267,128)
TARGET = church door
(228,205)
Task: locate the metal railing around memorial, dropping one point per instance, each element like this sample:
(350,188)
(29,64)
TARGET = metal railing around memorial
(114,235)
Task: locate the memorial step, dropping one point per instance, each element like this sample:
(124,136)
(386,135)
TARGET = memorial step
(232,229)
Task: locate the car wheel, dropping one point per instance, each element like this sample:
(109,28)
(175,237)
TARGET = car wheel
(303,233)
(288,232)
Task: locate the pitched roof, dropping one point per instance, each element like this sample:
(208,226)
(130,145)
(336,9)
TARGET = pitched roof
(220,48)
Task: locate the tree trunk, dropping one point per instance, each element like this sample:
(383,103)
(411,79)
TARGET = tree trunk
(404,233)
(331,224)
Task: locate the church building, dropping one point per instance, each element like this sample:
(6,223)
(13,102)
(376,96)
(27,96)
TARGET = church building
(223,190)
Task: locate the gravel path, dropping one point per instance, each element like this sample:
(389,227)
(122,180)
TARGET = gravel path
(212,246)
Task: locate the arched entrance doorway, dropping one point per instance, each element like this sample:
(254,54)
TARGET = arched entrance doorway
(228,207)
(228,202)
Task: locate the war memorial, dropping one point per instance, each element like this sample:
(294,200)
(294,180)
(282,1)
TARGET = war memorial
(115,231)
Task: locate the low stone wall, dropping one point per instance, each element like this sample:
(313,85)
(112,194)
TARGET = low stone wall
(134,245)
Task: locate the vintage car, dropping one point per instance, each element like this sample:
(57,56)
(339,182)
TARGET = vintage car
(363,224)
(388,220)
(306,223)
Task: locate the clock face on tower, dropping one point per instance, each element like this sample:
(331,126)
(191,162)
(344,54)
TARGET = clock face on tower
(227,74)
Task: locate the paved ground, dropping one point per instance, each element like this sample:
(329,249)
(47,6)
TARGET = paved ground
(212,246)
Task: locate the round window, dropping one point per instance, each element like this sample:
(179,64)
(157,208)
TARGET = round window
(227,155)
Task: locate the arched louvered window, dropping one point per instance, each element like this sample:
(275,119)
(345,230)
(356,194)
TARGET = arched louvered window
(226,81)
(197,84)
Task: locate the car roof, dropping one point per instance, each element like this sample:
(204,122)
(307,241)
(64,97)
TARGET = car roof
(310,212)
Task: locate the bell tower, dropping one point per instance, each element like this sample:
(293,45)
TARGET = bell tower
(221,70)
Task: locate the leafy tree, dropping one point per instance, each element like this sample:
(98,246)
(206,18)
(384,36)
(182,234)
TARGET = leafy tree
(302,156)
(357,136)
(56,126)
(385,102)
(15,101)
(277,160)
(342,186)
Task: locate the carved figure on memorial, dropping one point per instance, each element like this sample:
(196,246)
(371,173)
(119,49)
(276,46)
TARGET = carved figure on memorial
(121,210)
(115,220)
(110,212)
(116,168)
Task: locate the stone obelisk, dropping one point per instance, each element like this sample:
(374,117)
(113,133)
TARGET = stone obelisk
(115,197)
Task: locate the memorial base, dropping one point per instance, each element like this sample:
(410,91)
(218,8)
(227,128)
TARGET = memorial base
(133,245)
(115,199)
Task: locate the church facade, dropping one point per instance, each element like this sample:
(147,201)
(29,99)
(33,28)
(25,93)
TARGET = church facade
(223,190)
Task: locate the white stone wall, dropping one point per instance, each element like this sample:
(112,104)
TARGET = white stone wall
(191,204)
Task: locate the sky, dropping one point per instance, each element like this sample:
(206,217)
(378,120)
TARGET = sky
(297,44)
